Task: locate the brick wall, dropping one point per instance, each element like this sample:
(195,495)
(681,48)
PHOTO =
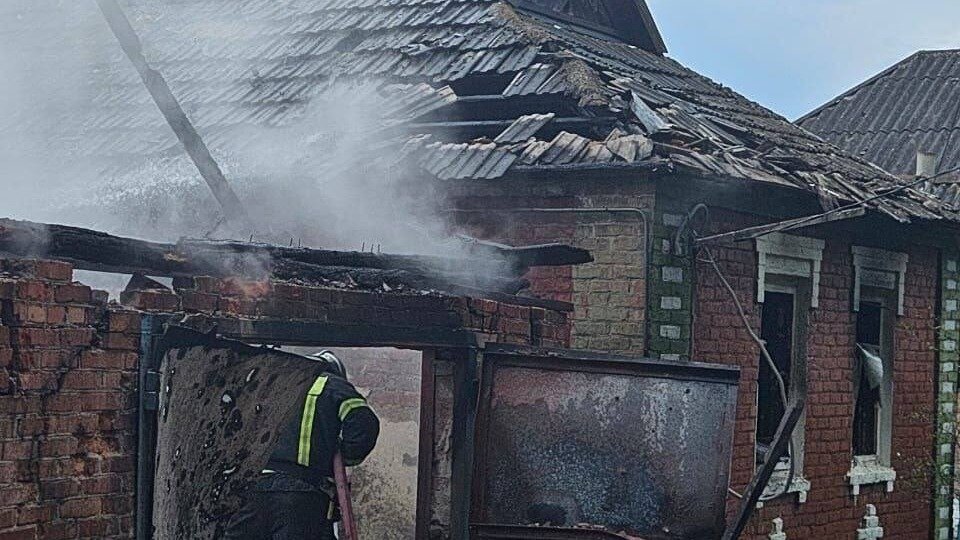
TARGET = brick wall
(67,395)
(68,373)
(609,295)
(830,510)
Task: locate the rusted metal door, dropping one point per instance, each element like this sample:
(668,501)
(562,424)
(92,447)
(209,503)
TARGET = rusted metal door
(634,445)
(222,405)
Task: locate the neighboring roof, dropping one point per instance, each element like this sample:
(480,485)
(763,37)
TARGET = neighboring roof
(259,62)
(911,107)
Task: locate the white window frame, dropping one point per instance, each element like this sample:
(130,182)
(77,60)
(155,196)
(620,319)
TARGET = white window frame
(877,468)
(789,255)
(796,259)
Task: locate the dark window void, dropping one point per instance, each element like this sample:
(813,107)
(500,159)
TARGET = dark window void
(776,329)
(867,408)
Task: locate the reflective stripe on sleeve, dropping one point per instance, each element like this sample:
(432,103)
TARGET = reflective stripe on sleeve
(349,405)
(306,422)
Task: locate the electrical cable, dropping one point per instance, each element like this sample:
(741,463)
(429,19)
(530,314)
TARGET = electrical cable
(781,384)
(898,189)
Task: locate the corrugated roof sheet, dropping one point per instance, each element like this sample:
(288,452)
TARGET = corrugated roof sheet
(912,106)
(241,62)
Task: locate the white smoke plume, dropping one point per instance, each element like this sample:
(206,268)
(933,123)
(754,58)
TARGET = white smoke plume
(307,182)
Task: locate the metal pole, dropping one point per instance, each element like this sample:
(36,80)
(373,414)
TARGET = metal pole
(148,386)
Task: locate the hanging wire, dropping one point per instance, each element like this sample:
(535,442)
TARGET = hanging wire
(712,261)
(863,203)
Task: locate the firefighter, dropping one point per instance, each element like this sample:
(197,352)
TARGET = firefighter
(295,497)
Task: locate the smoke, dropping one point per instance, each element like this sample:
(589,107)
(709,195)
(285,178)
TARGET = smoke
(83,144)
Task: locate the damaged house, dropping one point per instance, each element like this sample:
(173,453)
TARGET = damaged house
(818,286)
(905,119)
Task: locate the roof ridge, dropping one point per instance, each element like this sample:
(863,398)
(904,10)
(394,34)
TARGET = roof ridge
(939,51)
(888,131)
(869,82)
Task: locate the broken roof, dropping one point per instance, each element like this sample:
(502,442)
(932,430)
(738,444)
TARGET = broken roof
(911,107)
(525,93)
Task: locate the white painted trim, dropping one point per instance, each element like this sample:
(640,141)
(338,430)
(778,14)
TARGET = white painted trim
(870,525)
(867,470)
(775,486)
(789,255)
(880,268)
(776,530)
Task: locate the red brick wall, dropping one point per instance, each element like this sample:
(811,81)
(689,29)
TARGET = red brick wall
(830,511)
(67,394)
(68,374)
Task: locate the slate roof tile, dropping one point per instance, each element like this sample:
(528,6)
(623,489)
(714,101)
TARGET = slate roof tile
(242,62)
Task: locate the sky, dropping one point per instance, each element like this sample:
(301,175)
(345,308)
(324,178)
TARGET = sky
(793,56)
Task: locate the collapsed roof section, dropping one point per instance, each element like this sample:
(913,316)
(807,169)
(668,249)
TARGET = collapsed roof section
(526,93)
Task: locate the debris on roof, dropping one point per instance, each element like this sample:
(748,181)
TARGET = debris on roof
(488,65)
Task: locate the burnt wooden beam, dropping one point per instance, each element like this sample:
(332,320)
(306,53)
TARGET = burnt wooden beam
(173,112)
(759,481)
(356,259)
(93,250)
(493,276)
(781,226)
(332,334)
(97,251)
(528,256)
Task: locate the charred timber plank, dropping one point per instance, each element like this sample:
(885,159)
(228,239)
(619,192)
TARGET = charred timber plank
(92,250)
(781,226)
(413,263)
(332,334)
(491,256)
(759,482)
(376,278)
(538,255)
(173,112)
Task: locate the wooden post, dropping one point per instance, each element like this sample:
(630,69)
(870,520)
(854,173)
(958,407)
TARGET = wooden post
(466,390)
(173,112)
(427,441)
(759,482)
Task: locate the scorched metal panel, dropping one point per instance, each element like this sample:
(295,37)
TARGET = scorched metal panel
(222,405)
(636,446)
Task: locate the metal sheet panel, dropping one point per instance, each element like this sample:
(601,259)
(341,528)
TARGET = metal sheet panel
(641,446)
(222,404)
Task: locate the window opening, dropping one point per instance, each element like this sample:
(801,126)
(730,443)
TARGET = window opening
(776,329)
(869,379)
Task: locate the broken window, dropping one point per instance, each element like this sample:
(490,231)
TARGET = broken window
(872,381)
(776,330)
(873,388)
(868,380)
(783,322)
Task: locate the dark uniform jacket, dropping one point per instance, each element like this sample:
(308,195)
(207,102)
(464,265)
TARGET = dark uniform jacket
(332,415)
